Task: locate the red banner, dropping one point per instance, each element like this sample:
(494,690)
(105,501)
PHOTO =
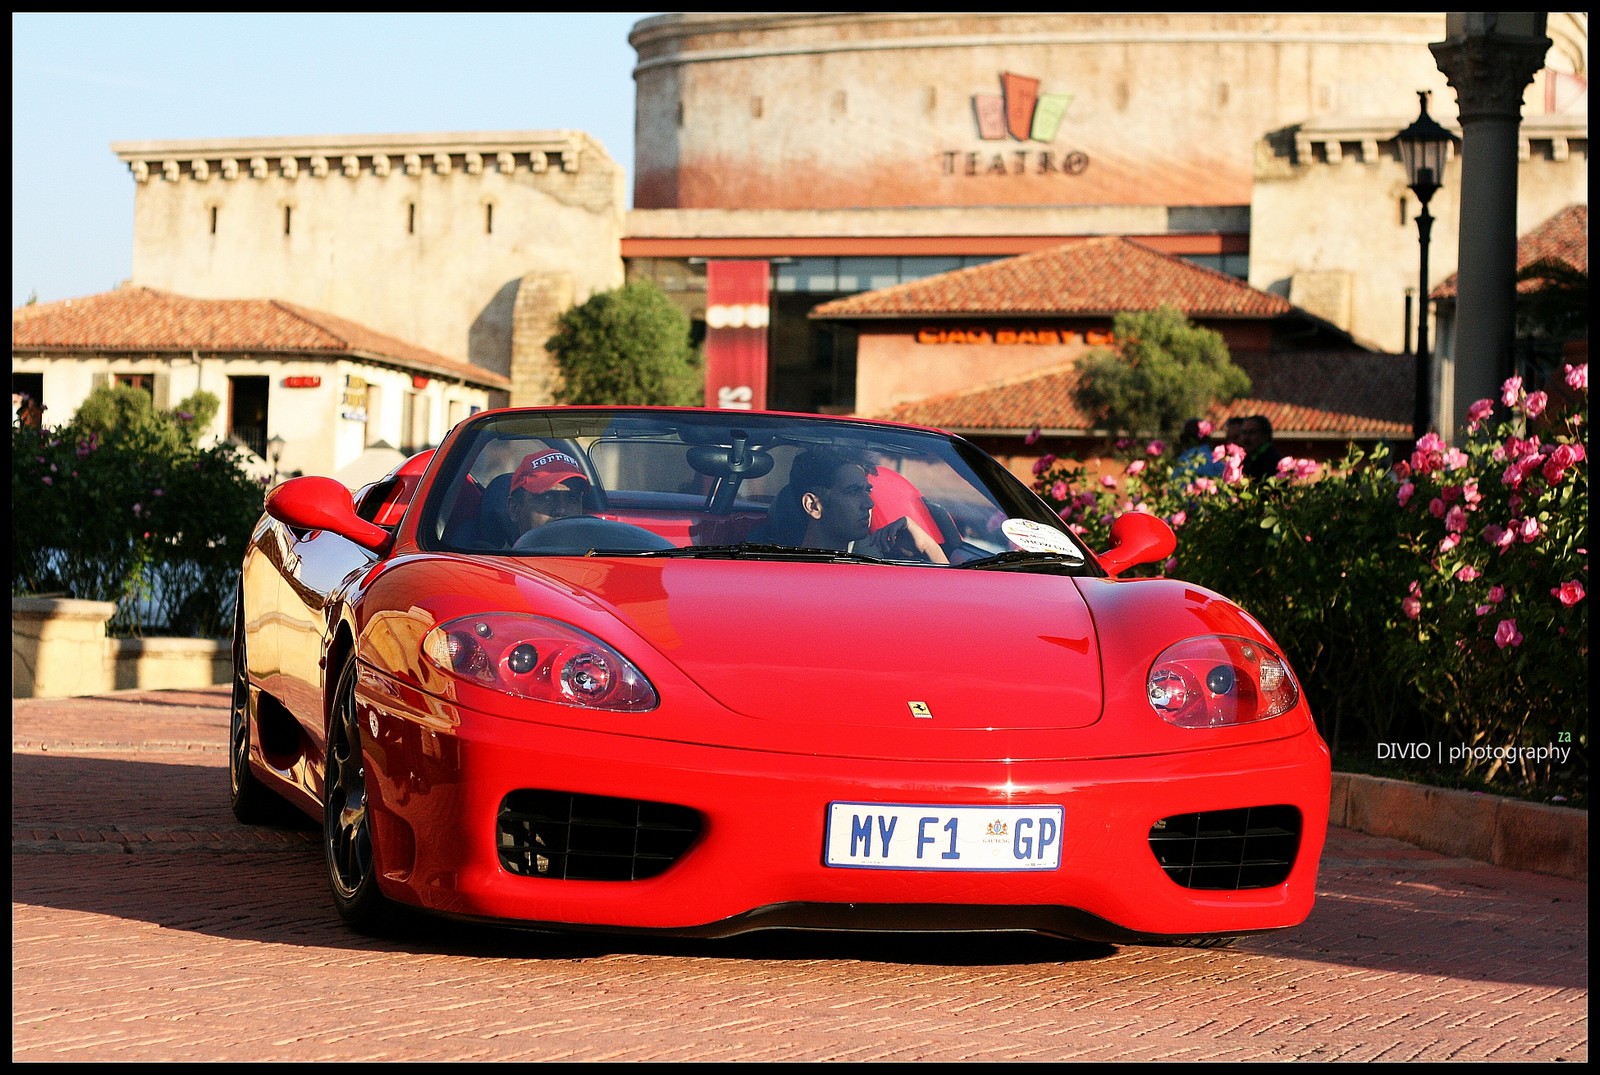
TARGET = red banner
(736,334)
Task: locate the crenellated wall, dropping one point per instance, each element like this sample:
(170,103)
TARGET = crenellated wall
(421,236)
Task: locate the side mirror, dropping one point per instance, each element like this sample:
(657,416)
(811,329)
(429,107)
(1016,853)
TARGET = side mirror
(1137,537)
(317,503)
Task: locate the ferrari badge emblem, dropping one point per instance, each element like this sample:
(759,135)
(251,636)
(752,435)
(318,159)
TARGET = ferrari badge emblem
(920,709)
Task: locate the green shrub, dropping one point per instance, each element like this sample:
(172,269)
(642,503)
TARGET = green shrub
(627,346)
(130,513)
(1438,600)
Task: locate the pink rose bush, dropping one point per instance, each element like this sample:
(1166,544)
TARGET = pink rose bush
(1501,544)
(1436,595)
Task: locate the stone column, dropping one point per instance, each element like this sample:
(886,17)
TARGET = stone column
(541,298)
(1489,58)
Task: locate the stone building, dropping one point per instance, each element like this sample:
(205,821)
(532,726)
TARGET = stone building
(465,244)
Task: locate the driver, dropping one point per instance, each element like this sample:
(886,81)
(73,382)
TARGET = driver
(835,495)
(547,485)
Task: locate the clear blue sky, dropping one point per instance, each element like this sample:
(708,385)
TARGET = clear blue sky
(83,81)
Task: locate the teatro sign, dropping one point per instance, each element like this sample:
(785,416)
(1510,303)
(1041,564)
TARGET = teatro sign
(1023,114)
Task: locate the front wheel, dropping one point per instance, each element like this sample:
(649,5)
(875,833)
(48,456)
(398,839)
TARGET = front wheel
(346,823)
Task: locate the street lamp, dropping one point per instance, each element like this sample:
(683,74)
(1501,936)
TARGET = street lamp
(275,448)
(1423,148)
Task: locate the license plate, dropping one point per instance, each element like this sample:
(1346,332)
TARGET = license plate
(906,836)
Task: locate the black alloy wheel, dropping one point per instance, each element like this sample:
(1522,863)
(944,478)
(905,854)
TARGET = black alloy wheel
(346,825)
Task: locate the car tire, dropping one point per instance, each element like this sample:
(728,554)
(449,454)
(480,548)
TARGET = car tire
(347,841)
(253,803)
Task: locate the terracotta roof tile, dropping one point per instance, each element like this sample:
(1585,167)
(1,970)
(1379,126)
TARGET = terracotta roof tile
(1099,276)
(1564,237)
(1316,395)
(146,320)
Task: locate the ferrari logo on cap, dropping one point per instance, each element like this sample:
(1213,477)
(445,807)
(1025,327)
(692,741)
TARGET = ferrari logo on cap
(920,709)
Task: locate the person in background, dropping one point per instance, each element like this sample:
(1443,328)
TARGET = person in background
(1261,455)
(1194,453)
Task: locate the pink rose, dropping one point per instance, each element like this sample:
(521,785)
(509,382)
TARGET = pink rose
(1136,466)
(1578,377)
(1155,448)
(1206,427)
(1535,404)
(1529,530)
(1411,607)
(1569,593)
(1404,495)
(1108,481)
(1455,519)
(1506,634)
(1497,594)
(1060,491)
(1436,508)
(1480,410)
(1511,391)
(1468,573)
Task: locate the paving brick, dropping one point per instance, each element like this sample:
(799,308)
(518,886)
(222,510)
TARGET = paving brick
(148,926)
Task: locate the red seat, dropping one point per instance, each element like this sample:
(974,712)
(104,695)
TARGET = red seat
(893,495)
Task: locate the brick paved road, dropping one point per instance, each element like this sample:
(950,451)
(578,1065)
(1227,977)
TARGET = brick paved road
(148,926)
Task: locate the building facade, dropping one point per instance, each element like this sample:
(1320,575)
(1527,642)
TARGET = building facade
(851,151)
(468,245)
(300,389)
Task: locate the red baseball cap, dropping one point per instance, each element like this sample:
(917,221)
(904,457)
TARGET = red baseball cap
(545,470)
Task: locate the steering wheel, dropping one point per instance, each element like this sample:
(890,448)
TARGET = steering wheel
(577,534)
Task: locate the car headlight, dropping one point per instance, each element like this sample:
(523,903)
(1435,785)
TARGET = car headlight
(540,659)
(1213,681)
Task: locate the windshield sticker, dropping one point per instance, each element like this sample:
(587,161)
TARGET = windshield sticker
(1036,537)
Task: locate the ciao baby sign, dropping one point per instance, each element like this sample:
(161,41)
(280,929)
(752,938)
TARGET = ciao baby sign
(1013,336)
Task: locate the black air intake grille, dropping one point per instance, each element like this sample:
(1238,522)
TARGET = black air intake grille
(591,837)
(1253,847)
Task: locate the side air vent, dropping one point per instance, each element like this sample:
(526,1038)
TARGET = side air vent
(570,837)
(1253,847)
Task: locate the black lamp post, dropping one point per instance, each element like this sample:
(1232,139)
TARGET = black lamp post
(275,448)
(1423,148)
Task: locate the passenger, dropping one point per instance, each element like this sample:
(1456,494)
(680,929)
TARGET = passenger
(547,485)
(834,496)
(1261,456)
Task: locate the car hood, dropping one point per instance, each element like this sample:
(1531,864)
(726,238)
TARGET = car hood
(855,644)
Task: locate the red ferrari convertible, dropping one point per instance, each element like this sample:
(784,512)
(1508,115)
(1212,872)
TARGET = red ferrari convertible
(705,672)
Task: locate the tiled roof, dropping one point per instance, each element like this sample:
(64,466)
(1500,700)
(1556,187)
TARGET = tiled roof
(145,320)
(1089,277)
(1312,395)
(1564,237)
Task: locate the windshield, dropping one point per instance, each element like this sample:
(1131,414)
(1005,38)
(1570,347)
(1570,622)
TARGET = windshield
(588,481)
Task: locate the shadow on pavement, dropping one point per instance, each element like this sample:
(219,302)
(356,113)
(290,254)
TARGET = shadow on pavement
(155,841)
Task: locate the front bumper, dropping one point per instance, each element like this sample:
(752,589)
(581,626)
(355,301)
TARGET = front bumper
(438,786)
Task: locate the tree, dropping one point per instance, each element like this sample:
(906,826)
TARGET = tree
(1161,370)
(626,346)
(123,412)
